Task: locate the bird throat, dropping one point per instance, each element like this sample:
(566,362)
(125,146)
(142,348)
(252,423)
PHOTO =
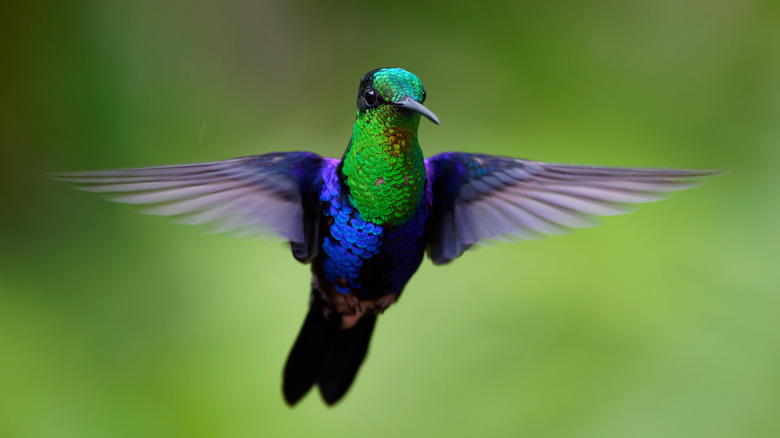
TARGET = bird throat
(384,168)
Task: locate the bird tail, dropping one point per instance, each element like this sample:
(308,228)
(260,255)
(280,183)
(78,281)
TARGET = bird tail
(326,355)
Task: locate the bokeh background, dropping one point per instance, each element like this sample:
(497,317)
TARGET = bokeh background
(664,322)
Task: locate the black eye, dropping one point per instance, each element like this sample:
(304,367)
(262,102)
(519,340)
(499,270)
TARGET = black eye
(424,95)
(371,97)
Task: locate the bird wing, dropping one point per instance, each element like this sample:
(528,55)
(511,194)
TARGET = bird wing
(249,195)
(478,197)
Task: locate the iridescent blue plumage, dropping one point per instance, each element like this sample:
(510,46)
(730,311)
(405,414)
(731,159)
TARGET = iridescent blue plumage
(360,257)
(441,206)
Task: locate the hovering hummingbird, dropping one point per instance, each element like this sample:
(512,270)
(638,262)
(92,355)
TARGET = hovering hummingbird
(365,221)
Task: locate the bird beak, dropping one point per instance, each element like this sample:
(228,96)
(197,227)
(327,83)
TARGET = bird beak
(413,105)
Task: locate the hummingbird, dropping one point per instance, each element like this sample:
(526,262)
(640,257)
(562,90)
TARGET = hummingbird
(365,222)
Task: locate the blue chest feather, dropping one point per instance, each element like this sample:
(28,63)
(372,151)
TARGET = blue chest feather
(360,257)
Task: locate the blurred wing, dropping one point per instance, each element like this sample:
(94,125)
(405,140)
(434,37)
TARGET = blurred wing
(248,195)
(478,197)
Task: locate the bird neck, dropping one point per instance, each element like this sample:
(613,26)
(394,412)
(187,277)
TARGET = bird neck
(384,169)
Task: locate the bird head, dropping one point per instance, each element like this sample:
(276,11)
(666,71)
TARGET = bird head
(392,96)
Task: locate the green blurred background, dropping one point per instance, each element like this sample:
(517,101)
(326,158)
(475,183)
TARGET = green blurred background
(661,323)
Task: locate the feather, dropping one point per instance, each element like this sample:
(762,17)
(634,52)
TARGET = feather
(477,197)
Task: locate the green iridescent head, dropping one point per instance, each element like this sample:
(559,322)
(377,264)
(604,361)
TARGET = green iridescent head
(395,89)
(383,165)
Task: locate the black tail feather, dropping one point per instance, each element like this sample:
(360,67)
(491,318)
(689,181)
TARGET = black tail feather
(308,354)
(345,356)
(326,355)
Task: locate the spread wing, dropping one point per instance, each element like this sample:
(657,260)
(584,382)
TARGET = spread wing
(478,197)
(248,195)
